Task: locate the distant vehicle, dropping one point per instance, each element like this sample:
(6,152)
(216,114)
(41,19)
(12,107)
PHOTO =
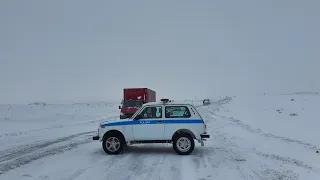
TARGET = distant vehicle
(155,122)
(133,99)
(206,102)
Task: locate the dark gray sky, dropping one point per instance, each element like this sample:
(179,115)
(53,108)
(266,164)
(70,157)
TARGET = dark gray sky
(76,50)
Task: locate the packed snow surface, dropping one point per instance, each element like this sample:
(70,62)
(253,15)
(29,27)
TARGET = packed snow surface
(252,137)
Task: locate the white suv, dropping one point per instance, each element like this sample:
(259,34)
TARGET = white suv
(155,122)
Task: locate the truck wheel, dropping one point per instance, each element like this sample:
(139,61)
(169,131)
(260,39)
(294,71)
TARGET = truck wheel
(183,144)
(113,143)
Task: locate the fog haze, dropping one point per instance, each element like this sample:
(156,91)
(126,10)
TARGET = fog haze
(75,51)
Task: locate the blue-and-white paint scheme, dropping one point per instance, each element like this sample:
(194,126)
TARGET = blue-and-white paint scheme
(156,128)
(139,122)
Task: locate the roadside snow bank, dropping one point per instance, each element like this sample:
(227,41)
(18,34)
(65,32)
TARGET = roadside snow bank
(25,124)
(292,116)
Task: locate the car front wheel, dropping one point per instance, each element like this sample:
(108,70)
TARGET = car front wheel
(113,143)
(183,144)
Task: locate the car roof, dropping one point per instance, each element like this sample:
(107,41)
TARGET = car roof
(167,103)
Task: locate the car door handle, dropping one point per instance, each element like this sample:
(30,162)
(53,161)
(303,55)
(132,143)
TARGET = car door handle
(159,121)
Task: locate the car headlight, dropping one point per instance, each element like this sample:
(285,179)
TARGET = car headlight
(121,114)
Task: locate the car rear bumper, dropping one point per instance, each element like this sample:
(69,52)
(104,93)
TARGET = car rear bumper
(95,138)
(203,138)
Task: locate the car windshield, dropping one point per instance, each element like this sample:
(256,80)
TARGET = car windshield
(132,103)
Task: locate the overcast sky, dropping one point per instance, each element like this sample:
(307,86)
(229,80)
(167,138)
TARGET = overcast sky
(69,51)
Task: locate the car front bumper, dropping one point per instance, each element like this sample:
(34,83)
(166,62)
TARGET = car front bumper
(96,137)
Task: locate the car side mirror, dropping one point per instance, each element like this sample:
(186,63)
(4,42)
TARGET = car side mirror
(119,107)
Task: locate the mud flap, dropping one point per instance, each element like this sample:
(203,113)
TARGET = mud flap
(201,142)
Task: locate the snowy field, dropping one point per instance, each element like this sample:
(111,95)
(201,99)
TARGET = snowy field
(252,137)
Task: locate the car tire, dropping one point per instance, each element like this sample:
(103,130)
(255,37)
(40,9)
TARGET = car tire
(117,140)
(180,149)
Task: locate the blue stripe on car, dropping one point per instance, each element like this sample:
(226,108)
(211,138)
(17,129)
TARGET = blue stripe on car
(137,122)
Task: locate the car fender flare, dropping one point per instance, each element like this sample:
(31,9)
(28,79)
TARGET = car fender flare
(184,130)
(111,131)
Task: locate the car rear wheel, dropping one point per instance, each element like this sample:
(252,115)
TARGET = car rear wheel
(183,144)
(113,143)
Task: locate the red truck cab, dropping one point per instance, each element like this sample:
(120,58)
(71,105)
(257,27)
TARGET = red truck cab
(133,99)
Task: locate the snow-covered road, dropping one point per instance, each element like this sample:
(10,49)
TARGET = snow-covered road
(234,151)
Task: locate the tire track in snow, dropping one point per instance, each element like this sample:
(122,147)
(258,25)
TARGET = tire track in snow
(269,135)
(135,169)
(276,174)
(213,161)
(111,161)
(17,157)
(153,168)
(14,152)
(258,130)
(286,160)
(231,154)
(260,170)
(224,152)
(174,169)
(105,166)
(142,162)
(55,127)
(77,173)
(231,142)
(119,166)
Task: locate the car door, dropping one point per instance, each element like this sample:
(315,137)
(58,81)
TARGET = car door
(176,117)
(149,126)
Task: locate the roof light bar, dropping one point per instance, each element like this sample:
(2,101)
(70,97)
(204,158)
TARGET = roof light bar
(164,100)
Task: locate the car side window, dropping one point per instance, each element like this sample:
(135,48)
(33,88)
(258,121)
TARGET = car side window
(154,112)
(177,112)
